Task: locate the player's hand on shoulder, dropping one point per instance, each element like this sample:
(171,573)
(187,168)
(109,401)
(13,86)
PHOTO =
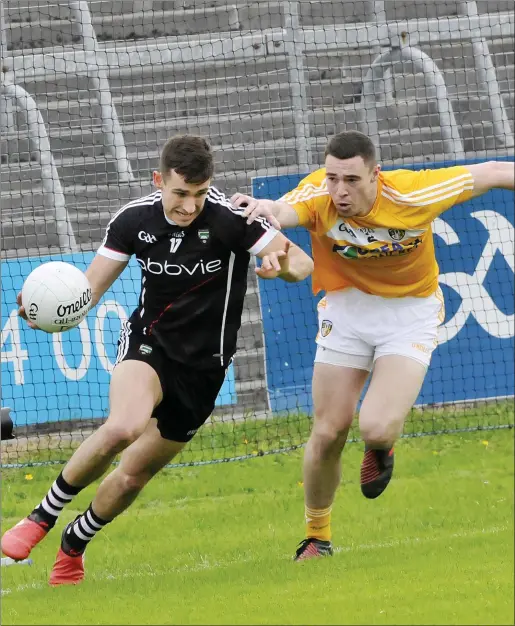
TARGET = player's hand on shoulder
(275,263)
(23,314)
(255,208)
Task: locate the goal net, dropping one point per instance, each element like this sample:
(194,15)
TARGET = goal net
(91,91)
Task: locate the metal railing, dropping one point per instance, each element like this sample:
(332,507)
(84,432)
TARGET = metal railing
(391,42)
(377,90)
(13,96)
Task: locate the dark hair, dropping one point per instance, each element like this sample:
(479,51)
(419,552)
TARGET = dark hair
(349,144)
(188,155)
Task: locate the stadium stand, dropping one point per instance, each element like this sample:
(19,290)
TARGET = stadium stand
(241,98)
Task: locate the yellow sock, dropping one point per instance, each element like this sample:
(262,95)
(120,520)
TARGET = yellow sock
(318,523)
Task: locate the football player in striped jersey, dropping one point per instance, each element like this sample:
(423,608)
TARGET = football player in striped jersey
(193,247)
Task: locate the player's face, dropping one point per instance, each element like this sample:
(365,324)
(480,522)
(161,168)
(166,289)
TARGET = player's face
(352,185)
(182,201)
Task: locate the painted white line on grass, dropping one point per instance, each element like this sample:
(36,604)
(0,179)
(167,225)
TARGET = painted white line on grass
(419,540)
(205,564)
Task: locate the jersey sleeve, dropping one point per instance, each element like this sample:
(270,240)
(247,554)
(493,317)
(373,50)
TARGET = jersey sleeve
(428,193)
(303,198)
(233,229)
(118,242)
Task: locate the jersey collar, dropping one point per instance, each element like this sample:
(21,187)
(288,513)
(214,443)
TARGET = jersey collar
(168,219)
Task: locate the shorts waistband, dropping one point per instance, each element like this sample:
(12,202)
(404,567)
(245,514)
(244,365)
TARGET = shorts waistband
(358,295)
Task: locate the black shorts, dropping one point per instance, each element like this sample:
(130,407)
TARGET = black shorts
(189,395)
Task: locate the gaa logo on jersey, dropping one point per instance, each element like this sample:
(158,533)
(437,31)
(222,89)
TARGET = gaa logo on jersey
(146,237)
(326,327)
(396,234)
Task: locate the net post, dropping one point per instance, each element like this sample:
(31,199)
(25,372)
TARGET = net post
(112,131)
(297,80)
(378,83)
(487,79)
(6,106)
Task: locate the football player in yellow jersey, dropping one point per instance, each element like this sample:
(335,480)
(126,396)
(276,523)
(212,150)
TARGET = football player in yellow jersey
(374,259)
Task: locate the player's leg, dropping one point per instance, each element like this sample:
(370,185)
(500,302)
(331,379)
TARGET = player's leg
(395,384)
(188,400)
(134,391)
(336,391)
(138,464)
(406,336)
(342,364)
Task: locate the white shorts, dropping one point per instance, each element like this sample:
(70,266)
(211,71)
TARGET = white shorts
(356,328)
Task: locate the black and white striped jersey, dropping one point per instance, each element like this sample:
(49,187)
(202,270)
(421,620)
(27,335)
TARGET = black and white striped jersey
(194,279)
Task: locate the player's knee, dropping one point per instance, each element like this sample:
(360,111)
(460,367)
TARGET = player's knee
(132,483)
(381,433)
(117,437)
(329,438)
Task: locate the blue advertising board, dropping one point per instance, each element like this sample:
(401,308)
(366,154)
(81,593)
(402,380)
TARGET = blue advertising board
(474,244)
(65,376)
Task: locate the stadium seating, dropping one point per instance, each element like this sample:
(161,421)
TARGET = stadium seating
(244,104)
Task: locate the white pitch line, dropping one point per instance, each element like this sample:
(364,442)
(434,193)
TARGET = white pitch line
(205,564)
(420,540)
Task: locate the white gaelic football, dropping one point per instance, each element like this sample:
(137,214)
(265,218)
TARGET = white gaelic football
(56,296)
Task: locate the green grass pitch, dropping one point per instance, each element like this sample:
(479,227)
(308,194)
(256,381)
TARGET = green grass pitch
(214,545)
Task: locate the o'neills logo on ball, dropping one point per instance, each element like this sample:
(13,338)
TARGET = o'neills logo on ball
(33,311)
(74,307)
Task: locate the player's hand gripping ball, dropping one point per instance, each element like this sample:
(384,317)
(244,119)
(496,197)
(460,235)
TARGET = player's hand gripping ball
(56,296)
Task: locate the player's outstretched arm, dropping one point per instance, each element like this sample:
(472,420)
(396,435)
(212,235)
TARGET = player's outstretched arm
(101,273)
(279,214)
(492,175)
(281,258)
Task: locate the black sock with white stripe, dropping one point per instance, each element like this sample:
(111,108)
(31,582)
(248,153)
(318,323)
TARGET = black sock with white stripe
(59,494)
(81,531)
